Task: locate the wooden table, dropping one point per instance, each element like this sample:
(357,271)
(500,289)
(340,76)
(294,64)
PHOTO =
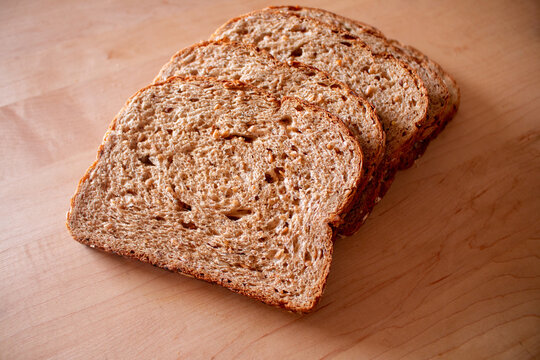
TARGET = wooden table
(446,267)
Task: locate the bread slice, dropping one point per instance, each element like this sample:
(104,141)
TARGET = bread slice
(446,115)
(228,60)
(437,90)
(221,181)
(398,94)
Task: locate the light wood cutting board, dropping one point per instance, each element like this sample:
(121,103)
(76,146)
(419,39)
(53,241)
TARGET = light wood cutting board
(447,266)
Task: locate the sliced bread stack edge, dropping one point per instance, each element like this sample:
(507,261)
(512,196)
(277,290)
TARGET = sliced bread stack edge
(250,152)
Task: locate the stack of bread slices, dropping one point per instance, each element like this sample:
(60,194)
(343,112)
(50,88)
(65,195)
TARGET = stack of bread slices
(251,151)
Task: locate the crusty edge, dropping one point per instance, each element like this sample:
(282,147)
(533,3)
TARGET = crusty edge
(332,219)
(446,114)
(372,29)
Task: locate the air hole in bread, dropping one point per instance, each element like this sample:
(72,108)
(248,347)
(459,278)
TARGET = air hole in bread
(188,225)
(349,37)
(269,178)
(298,28)
(169,131)
(299,108)
(297,52)
(247,138)
(307,256)
(346,43)
(285,120)
(194,72)
(146,160)
(182,206)
(159,218)
(237,214)
(344,98)
(243,31)
(274,175)
(168,110)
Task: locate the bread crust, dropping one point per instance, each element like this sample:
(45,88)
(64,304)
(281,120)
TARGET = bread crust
(330,223)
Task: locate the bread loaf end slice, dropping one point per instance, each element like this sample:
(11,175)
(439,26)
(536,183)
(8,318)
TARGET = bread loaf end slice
(221,181)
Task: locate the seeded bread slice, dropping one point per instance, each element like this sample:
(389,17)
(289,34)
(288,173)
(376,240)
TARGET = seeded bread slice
(228,60)
(221,181)
(396,91)
(436,88)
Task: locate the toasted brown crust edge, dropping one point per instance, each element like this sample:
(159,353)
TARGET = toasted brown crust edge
(333,219)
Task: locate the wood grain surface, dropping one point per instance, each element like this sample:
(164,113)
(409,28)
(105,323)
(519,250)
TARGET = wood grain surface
(447,267)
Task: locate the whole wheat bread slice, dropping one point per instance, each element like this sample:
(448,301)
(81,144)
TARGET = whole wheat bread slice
(228,60)
(437,90)
(454,100)
(396,91)
(221,181)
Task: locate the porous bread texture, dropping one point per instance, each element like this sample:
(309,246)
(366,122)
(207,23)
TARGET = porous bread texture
(221,181)
(398,94)
(436,88)
(229,60)
(453,89)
